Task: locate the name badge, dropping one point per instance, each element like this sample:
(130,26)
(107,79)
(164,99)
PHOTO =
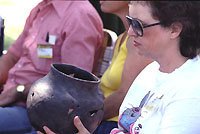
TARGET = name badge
(44,51)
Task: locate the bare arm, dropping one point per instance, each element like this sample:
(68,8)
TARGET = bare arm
(7,61)
(133,65)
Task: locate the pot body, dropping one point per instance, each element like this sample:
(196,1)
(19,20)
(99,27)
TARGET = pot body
(66,91)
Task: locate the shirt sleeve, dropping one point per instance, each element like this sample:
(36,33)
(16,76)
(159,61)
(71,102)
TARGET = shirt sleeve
(84,35)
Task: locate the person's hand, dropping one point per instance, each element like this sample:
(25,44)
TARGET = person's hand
(47,130)
(8,96)
(78,124)
(117,131)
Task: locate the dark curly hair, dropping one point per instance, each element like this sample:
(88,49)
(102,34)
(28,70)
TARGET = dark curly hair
(185,12)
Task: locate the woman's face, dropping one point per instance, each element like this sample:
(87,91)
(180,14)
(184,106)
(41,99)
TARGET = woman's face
(112,6)
(154,40)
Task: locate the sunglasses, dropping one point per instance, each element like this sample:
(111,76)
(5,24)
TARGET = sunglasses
(138,26)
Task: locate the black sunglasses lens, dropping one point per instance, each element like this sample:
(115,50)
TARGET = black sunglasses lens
(137,28)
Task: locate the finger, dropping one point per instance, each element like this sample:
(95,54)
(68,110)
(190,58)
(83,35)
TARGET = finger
(79,126)
(38,132)
(47,130)
(116,131)
(78,123)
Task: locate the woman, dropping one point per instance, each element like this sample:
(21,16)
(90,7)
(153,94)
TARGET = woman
(167,32)
(171,38)
(126,64)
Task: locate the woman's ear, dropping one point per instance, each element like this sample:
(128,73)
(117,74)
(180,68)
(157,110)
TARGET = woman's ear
(176,29)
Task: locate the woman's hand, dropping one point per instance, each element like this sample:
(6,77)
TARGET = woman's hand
(78,124)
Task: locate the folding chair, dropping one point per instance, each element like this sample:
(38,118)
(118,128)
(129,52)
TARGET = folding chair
(106,52)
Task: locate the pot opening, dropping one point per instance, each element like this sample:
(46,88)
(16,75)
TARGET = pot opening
(75,72)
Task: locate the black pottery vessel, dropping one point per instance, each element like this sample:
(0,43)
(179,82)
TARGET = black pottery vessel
(66,91)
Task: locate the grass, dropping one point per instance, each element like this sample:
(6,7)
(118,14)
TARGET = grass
(14,12)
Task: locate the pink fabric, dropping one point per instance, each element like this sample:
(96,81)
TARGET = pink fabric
(131,128)
(78,28)
(116,131)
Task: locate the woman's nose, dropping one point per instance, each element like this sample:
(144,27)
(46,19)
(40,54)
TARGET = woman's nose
(131,32)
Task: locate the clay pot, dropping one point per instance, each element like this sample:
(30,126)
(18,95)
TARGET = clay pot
(66,91)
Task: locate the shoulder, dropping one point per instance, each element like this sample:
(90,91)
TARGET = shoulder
(84,12)
(140,86)
(149,71)
(121,40)
(186,81)
(84,8)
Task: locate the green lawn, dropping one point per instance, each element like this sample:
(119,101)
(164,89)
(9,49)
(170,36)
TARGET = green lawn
(15,12)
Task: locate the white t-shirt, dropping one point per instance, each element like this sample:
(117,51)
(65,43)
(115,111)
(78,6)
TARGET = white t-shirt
(173,106)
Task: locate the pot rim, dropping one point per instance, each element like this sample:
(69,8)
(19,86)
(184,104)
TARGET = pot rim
(91,81)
